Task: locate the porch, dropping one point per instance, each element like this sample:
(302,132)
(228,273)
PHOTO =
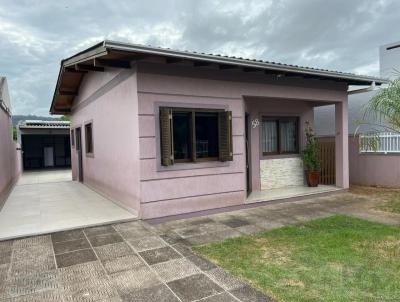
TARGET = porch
(275,139)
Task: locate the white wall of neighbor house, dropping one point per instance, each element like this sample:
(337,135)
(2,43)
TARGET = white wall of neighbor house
(389,60)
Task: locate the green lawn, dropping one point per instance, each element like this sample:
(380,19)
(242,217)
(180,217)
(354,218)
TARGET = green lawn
(338,258)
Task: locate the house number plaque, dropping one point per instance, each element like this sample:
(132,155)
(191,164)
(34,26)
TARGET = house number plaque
(255,123)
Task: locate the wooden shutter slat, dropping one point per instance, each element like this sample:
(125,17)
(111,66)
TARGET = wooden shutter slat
(225,136)
(166,136)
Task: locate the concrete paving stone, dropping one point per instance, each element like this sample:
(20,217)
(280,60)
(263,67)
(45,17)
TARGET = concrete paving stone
(113,251)
(91,292)
(82,272)
(3,272)
(100,230)
(36,282)
(204,239)
(194,287)
(175,269)
(235,222)
(159,255)
(5,256)
(131,225)
(189,231)
(249,229)
(120,264)
(222,297)
(67,235)
(32,266)
(201,263)
(105,239)
(6,245)
(184,249)
(32,253)
(223,235)
(147,243)
(76,257)
(44,296)
(31,241)
(249,294)
(199,220)
(156,293)
(133,234)
(172,238)
(69,246)
(129,281)
(224,279)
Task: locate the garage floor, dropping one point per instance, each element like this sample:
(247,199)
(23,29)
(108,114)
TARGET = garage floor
(48,201)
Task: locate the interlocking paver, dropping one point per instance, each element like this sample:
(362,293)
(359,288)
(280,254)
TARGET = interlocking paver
(130,262)
(76,257)
(225,279)
(194,287)
(105,239)
(69,246)
(100,230)
(147,243)
(175,269)
(159,255)
(151,294)
(67,235)
(112,251)
(249,294)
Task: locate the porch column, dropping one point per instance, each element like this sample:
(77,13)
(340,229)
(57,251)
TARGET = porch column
(342,144)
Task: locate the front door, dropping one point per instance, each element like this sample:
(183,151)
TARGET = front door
(79,153)
(248,150)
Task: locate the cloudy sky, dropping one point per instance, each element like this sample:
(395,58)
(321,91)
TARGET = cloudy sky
(338,34)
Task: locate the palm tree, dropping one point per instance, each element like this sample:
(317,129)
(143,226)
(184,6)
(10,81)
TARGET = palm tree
(384,109)
(382,114)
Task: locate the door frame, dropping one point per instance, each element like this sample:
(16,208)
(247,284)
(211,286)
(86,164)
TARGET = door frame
(78,147)
(248,152)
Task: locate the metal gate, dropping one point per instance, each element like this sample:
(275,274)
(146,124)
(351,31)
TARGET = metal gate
(327,158)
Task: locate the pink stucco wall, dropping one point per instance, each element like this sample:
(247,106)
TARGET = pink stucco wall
(10,158)
(373,169)
(109,101)
(124,107)
(190,187)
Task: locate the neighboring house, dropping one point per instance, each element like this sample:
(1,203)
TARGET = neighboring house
(168,132)
(9,155)
(367,168)
(45,144)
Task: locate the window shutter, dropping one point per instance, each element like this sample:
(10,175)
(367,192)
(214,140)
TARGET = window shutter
(167,158)
(225,136)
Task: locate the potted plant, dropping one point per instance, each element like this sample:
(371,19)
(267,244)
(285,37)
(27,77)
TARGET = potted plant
(311,160)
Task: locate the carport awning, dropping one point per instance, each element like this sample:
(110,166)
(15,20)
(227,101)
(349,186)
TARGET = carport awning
(120,55)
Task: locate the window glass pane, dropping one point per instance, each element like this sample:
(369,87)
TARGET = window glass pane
(269,136)
(89,138)
(181,125)
(206,124)
(288,136)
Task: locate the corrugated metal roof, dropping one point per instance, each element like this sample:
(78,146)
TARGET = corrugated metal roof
(44,124)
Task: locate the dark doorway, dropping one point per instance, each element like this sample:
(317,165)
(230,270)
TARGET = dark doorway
(248,150)
(46,151)
(78,143)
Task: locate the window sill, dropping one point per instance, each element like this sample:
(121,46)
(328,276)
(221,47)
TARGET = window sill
(192,165)
(274,156)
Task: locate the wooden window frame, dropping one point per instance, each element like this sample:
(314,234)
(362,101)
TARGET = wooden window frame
(192,112)
(91,152)
(278,120)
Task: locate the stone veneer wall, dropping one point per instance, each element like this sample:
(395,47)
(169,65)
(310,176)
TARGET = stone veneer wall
(281,172)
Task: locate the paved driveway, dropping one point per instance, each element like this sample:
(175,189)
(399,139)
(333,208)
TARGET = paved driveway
(44,202)
(136,261)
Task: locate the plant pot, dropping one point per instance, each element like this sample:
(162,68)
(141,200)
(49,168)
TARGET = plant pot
(312,178)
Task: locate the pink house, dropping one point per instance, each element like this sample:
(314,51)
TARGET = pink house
(167,132)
